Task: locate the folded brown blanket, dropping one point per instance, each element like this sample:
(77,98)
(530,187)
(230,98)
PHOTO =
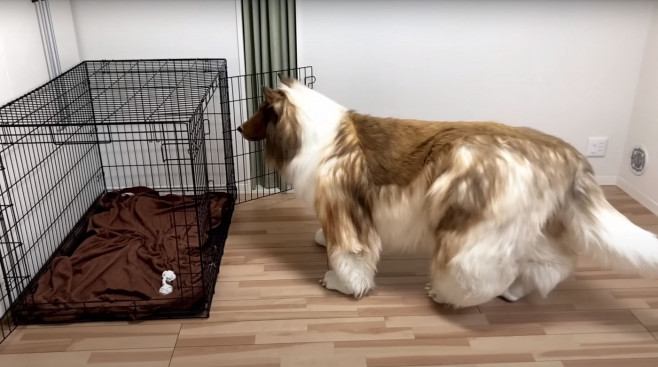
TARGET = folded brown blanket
(136,235)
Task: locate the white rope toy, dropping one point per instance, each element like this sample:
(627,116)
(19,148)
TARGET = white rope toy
(167,276)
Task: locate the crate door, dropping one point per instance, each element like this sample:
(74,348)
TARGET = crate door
(253,178)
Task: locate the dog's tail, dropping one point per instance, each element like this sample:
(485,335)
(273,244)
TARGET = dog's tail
(607,234)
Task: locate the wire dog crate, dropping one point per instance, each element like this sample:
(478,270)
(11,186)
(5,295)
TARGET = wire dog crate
(105,185)
(116,171)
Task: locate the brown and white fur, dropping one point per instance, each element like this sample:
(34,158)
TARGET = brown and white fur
(502,210)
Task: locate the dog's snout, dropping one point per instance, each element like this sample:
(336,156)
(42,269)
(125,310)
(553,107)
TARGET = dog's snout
(239,129)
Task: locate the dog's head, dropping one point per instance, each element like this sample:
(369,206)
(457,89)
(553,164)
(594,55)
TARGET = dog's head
(275,121)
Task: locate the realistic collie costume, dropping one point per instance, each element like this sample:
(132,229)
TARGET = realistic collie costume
(502,210)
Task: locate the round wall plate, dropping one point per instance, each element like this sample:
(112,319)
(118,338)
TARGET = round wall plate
(639,159)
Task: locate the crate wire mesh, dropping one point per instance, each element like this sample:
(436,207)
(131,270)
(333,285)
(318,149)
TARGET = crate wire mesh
(103,126)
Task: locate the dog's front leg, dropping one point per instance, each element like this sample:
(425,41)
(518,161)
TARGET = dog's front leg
(351,273)
(331,282)
(353,252)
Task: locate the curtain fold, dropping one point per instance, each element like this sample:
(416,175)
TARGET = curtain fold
(270,44)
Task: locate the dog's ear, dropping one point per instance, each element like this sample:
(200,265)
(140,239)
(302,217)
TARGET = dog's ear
(287,81)
(274,98)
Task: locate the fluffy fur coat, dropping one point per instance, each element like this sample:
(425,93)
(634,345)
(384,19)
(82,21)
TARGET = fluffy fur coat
(501,210)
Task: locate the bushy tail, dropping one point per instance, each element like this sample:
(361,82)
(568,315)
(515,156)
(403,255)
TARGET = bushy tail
(607,234)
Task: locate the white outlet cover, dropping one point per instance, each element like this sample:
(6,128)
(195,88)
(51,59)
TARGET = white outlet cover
(597,146)
(639,159)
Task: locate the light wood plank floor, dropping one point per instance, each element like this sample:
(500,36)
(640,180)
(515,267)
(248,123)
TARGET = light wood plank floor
(269,310)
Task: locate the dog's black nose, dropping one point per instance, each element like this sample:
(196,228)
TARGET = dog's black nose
(239,129)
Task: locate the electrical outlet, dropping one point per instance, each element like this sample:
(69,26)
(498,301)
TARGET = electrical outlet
(596,146)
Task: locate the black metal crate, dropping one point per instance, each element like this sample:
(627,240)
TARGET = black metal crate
(107,126)
(101,127)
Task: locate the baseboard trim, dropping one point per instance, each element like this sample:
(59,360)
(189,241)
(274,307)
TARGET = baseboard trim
(606,180)
(637,195)
(245,189)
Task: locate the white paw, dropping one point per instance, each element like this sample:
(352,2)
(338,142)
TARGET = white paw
(509,296)
(331,281)
(432,294)
(319,238)
(514,293)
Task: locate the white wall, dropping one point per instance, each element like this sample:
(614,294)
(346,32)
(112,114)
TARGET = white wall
(131,29)
(22,60)
(569,68)
(644,127)
(67,43)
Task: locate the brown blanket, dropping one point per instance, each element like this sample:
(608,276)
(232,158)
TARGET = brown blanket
(136,236)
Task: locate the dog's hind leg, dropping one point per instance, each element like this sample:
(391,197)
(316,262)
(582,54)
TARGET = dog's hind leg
(548,265)
(474,266)
(470,281)
(542,277)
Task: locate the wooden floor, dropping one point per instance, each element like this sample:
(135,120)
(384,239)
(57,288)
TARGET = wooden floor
(269,310)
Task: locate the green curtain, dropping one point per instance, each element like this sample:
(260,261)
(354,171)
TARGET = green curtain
(270,45)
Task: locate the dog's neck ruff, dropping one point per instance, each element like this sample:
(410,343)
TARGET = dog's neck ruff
(319,118)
